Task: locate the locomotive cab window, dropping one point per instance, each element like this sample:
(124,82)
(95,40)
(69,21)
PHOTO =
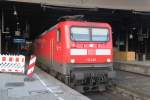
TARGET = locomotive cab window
(89,34)
(58,35)
(80,34)
(100,34)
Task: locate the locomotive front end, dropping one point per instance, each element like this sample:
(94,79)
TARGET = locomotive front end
(90,60)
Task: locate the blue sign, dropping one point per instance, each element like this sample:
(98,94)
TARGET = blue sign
(19,40)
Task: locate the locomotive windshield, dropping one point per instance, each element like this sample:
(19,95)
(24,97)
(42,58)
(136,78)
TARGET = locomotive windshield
(89,34)
(80,34)
(99,34)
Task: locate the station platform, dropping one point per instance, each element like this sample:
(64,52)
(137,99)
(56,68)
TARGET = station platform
(135,85)
(43,87)
(140,67)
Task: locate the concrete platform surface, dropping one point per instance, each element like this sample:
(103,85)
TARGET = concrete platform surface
(140,67)
(141,63)
(43,87)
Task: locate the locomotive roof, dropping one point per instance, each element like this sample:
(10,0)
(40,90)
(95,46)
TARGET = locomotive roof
(72,18)
(72,21)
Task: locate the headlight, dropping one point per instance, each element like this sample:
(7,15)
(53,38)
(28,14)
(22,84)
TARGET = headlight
(72,60)
(108,60)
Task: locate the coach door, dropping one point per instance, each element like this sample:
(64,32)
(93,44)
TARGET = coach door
(58,45)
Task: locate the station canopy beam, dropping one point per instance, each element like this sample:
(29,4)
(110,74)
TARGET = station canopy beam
(135,5)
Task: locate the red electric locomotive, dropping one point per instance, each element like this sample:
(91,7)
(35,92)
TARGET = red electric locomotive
(79,53)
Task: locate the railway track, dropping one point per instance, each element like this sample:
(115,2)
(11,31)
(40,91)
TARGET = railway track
(107,95)
(133,85)
(133,79)
(130,86)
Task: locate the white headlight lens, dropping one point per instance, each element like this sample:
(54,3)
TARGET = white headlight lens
(72,60)
(108,60)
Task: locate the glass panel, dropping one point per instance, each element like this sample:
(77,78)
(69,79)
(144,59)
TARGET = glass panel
(100,34)
(58,35)
(80,34)
(89,34)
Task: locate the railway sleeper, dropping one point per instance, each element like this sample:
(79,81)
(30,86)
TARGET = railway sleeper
(132,95)
(86,89)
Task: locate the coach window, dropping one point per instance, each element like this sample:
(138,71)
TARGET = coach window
(58,35)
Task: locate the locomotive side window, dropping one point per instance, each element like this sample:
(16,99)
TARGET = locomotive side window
(100,34)
(80,34)
(58,35)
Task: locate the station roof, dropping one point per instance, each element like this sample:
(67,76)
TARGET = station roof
(135,5)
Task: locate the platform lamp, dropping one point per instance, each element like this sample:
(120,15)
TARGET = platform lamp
(18,30)
(131,36)
(15,11)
